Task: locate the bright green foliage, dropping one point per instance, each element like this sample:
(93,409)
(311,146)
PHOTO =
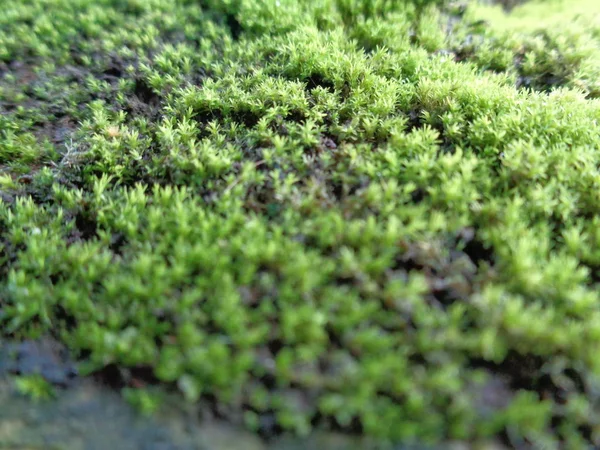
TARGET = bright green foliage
(558,48)
(310,211)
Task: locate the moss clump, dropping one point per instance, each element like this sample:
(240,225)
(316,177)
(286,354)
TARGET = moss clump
(335,214)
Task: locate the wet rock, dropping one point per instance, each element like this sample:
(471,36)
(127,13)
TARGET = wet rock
(44,357)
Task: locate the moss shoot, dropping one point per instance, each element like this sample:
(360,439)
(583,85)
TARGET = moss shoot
(374,216)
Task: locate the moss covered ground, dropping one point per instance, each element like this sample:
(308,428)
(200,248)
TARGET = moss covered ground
(378,217)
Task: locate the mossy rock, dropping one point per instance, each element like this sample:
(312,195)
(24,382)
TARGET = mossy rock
(376,217)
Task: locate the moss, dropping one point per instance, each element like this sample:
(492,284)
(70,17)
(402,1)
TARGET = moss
(35,387)
(559,48)
(379,217)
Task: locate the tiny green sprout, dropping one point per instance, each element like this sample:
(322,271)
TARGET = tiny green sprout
(145,401)
(35,387)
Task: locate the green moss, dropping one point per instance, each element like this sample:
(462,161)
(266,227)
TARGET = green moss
(558,48)
(35,387)
(338,213)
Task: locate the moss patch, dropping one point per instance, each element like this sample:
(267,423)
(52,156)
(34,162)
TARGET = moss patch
(377,217)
